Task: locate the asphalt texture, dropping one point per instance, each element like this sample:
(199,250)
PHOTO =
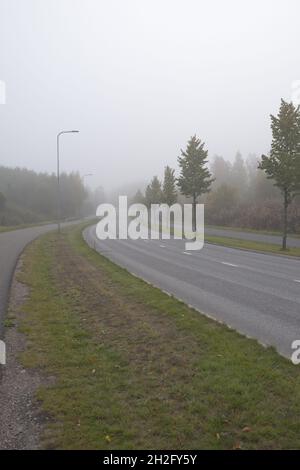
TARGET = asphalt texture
(256,294)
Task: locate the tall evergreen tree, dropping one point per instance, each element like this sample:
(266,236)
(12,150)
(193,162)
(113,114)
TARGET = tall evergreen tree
(283,163)
(195,178)
(138,198)
(154,192)
(169,187)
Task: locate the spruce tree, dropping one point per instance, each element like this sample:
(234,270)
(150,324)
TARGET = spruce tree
(195,178)
(138,198)
(283,163)
(169,187)
(154,192)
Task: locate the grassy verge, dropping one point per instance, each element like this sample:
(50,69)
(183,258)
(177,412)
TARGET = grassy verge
(252,230)
(251,245)
(135,368)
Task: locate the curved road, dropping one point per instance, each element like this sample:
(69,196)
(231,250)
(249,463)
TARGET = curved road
(11,246)
(256,294)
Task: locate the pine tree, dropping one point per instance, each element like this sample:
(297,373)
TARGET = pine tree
(169,187)
(283,163)
(138,198)
(154,192)
(195,178)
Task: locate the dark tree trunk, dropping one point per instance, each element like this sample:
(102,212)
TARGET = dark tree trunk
(285,220)
(194,212)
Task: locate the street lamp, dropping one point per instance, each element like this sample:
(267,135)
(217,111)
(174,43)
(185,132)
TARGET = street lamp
(58,176)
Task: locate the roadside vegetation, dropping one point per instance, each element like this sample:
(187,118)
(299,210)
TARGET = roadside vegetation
(252,245)
(132,367)
(250,230)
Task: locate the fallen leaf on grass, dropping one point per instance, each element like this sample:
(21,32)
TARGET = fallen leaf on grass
(246,429)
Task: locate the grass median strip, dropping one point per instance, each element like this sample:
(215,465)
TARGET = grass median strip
(134,368)
(252,230)
(252,245)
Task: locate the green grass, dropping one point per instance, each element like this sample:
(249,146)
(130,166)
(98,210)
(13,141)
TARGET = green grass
(9,322)
(252,230)
(251,245)
(135,368)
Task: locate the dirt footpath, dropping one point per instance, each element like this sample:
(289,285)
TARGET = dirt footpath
(20,420)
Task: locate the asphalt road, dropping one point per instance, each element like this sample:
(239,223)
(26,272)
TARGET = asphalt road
(293,242)
(11,246)
(256,294)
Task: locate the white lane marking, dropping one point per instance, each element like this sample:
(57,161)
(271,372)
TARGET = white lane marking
(162,246)
(186,253)
(230,264)
(296,280)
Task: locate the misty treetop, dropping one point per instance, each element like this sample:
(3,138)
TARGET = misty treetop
(154,193)
(138,198)
(169,191)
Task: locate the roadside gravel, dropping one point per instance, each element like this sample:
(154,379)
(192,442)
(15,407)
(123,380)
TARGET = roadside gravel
(21,422)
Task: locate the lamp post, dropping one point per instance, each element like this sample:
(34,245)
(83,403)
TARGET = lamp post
(58,176)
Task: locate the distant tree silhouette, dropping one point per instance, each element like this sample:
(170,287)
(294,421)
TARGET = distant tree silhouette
(138,198)
(169,192)
(32,197)
(153,192)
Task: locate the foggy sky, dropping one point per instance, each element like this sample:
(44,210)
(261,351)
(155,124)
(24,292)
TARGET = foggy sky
(138,78)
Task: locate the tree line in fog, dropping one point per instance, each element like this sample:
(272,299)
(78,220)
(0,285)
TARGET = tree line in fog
(256,193)
(253,192)
(30,197)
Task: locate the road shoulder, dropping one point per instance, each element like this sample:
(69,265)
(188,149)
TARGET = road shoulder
(21,420)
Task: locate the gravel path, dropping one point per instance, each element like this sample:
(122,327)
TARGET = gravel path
(21,422)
